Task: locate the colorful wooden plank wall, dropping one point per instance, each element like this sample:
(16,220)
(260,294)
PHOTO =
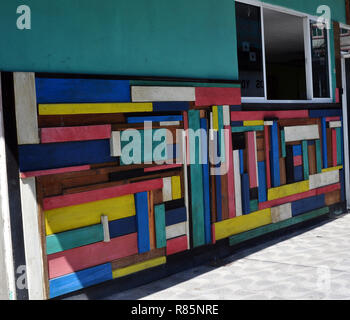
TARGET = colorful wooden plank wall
(102,218)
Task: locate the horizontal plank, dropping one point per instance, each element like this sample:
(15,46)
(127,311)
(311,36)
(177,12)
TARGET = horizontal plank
(288,190)
(332,169)
(77,259)
(247,129)
(154,119)
(264,115)
(175,216)
(253,123)
(175,230)
(162,167)
(227,228)
(217,96)
(298,133)
(325,113)
(176,245)
(171,106)
(40,173)
(281,213)
(153,93)
(93,108)
(335,124)
(101,194)
(305,205)
(324,179)
(121,227)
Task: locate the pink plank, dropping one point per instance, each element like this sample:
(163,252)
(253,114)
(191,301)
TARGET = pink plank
(217,96)
(298,161)
(333,119)
(267,157)
(76,259)
(299,196)
(337,95)
(185,116)
(101,194)
(39,173)
(230,174)
(334,148)
(64,134)
(160,168)
(253,181)
(176,245)
(260,115)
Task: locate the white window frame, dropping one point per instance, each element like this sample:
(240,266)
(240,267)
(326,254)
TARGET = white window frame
(308,56)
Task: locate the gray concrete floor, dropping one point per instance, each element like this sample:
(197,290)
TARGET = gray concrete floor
(309,264)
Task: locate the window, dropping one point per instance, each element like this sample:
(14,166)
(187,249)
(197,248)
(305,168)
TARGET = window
(281,56)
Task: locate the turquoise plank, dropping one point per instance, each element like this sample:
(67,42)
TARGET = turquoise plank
(247,129)
(159,216)
(305,160)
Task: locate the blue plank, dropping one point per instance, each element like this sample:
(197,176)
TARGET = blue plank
(274,159)
(141,204)
(262,190)
(175,216)
(245,194)
(308,204)
(206,183)
(311,142)
(342,185)
(324,144)
(58,155)
(81,90)
(154,119)
(236,108)
(121,227)
(218,196)
(298,174)
(342,141)
(237,123)
(324,113)
(297,150)
(170,106)
(241,162)
(81,279)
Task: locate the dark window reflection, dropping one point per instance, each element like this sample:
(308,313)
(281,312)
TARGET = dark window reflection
(320,69)
(250,58)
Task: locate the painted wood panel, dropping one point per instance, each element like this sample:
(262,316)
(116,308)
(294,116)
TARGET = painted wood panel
(298,133)
(153,93)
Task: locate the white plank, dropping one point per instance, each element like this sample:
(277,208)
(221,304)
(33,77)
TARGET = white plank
(268,123)
(335,124)
(176,230)
(167,190)
(105,225)
(32,240)
(324,179)
(226,115)
(116,149)
(238,189)
(169,123)
(26,108)
(281,213)
(150,94)
(298,133)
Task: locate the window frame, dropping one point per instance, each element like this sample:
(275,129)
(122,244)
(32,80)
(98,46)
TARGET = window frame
(308,55)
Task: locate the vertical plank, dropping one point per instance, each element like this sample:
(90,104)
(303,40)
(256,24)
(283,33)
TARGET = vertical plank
(185,180)
(262,182)
(159,216)
(230,173)
(245,194)
(290,165)
(226,116)
(339,146)
(141,204)
(116,149)
(305,160)
(151,220)
(275,163)
(237,181)
(252,160)
(176,187)
(324,144)
(167,190)
(283,144)
(318,156)
(267,156)
(283,173)
(312,159)
(241,161)
(105,225)
(26,108)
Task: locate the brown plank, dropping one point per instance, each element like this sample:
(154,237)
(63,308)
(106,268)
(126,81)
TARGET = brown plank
(213,199)
(152,232)
(337,52)
(296,122)
(312,159)
(224,197)
(261,155)
(333,197)
(157,196)
(283,173)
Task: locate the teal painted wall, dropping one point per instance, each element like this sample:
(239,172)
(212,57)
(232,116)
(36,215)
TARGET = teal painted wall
(182,38)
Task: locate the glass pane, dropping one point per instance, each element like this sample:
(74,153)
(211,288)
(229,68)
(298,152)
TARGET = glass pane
(320,68)
(250,58)
(345,41)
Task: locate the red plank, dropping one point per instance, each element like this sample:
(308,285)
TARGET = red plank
(298,161)
(185,116)
(217,96)
(230,174)
(76,259)
(39,173)
(332,119)
(334,148)
(101,194)
(252,165)
(160,168)
(84,133)
(176,245)
(213,237)
(299,196)
(267,157)
(261,115)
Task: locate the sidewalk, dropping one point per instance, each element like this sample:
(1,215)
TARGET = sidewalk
(312,263)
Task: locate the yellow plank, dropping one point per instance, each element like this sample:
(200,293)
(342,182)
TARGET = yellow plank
(227,228)
(122,272)
(253,123)
(82,215)
(332,169)
(215,118)
(288,190)
(176,187)
(93,108)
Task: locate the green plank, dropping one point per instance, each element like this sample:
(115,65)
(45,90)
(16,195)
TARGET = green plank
(254,205)
(305,160)
(318,156)
(339,148)
(159,216)
(182,84)
(283,144)
(247,129)
(276,226)
(196,183)
(74,238)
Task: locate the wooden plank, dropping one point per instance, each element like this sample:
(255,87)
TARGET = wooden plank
(324,144)
(206,96)
(252,160)
(93,108)
(335,124)
(305,205)
(115,144)
(77,216)
(101,194)
(76,259)
(324,113)
(318,156)
(262,182)
(333,197)
(288,190)
(162,167)
(165,118)
(51,90)
(281,213)
(267,156)
(332,169)
(25,108)
(122,272)
(121,227)
(339,139)
(298,133)
(283,144)
(298,161)
(241,224)
(237,181)
(283,173)
(151,221)
(141,204)
(255,123)
(218,197)
(153,93)
(312,159)
(216,118)
(175,230)
(171,106)
(296,122)
(245,194)
(254,205)
(175,216)
(167,192)
(105,226)
(224,195)
(39,173)
(305,160)
(324,179)
(176,245)
(79,280)
(275,165)
(262,115)
(298,174)
(176,187)
(334,148)
(230,173)
(159,215)
(226,116)
(247,129)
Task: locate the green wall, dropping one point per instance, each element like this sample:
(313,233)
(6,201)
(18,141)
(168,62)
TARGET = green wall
(182,38)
